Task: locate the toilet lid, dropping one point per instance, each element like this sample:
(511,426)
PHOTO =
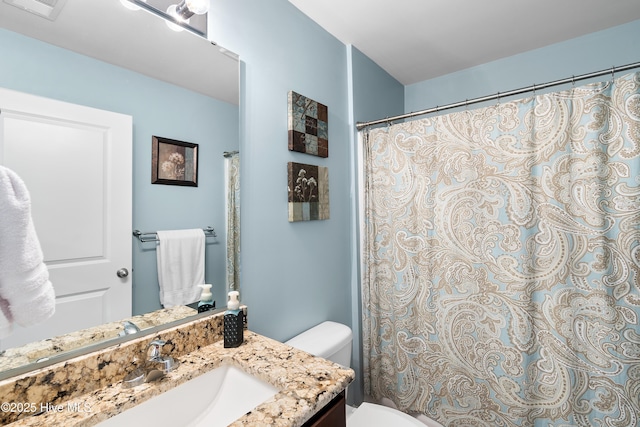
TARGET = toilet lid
(370,415)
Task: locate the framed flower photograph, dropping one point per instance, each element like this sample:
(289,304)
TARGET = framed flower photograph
(308,187)
(174,162)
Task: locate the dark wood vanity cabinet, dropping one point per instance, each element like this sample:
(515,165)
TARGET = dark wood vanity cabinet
(332,415)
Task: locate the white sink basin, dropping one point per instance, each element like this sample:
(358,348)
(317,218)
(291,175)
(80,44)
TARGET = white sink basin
(214,399)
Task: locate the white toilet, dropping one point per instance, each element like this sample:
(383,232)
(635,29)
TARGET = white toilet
(332,341)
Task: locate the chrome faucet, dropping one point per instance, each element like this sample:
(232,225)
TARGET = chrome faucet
(129,328)
(157,365)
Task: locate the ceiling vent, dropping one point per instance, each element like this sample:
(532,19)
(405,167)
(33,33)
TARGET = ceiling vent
(45,8)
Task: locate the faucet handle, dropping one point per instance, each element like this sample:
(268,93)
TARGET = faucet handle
(154,350)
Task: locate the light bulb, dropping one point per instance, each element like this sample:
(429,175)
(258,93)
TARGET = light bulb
(199,7)
(171,11)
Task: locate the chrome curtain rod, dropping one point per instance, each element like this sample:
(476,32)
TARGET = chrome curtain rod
(498,95)
(152,236)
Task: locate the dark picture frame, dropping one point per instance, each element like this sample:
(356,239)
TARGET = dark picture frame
(174,162)
(308,192)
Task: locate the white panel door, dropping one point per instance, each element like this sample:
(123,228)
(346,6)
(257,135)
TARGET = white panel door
(76,162)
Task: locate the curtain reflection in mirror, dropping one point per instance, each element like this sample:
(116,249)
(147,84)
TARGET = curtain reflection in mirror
(232,178)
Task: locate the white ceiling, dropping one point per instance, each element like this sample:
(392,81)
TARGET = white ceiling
(413,40)
(136,40)
(416,40)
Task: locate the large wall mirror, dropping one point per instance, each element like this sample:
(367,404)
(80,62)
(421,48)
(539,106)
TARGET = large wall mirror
(172,84)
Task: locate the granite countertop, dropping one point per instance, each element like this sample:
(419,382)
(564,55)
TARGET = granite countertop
(307,384)
(29,353)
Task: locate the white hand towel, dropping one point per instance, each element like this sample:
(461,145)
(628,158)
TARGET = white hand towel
(180,266)
(6,326)
(26,294)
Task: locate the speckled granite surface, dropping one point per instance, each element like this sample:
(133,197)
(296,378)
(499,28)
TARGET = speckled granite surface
(29,353)
(73,378)
(307,383)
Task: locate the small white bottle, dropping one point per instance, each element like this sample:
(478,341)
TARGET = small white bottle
(206,299)
(233,322)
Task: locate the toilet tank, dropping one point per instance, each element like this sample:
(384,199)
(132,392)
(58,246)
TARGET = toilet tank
(329,340)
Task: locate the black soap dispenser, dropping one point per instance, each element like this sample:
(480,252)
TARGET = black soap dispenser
(233,322)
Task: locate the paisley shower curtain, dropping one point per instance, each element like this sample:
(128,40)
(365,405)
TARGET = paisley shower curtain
(502,261)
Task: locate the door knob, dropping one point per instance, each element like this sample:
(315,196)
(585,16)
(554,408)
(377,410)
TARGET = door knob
(122,273)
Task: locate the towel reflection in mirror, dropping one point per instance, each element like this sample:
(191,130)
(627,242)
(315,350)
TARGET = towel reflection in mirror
(26,295)
(181,259)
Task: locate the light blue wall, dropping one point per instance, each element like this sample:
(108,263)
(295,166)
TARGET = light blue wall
(376,94)
(158,109)
(593,52)
(373,94)
(294,275)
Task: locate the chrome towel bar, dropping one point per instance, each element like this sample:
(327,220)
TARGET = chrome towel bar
(152,236)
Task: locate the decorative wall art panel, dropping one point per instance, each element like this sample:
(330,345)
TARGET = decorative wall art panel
(308,187)
(308,126)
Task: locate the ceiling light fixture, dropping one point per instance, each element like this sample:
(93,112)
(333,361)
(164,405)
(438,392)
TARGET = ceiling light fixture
(172,11)
(184,10)
(176,16)
(187,8)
